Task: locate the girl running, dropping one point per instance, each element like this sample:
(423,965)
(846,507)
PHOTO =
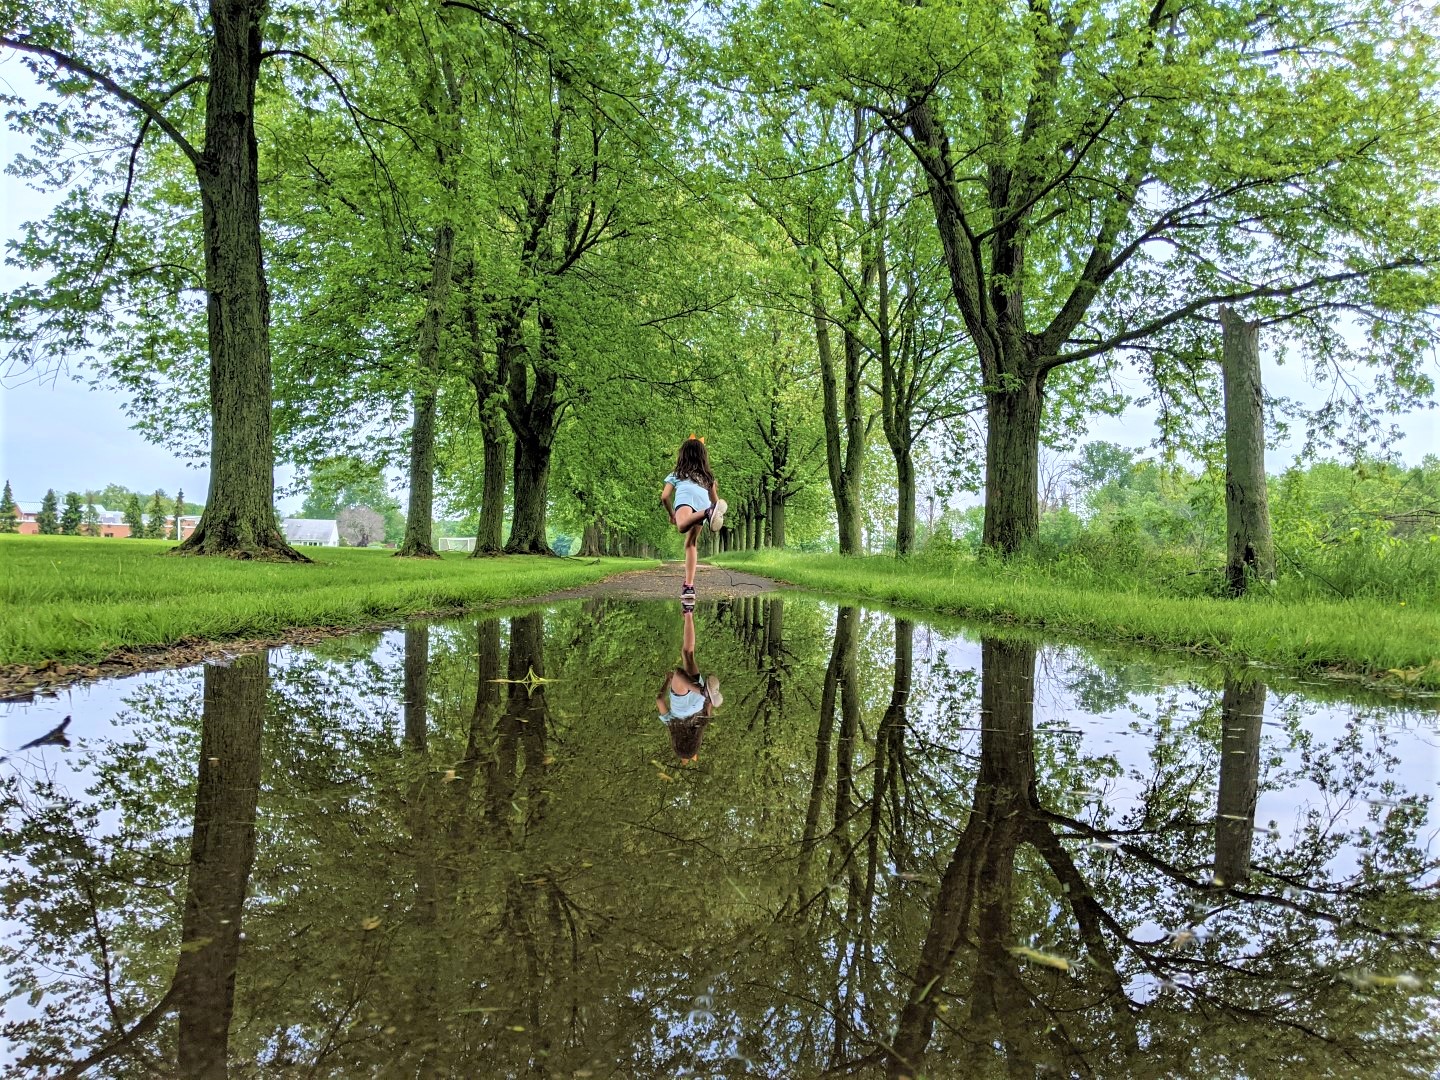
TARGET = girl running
(691,499)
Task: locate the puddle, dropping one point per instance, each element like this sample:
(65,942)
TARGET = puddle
(471,848)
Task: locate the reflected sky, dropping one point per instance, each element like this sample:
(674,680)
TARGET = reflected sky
(468,848)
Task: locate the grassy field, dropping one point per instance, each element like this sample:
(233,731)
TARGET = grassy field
(1394,639)
(75,599)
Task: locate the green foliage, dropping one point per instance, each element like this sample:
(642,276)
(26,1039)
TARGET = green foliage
(48,518)
(73,515)
(91,520)
(155,526)
(9,512)
(135,517)
(346,483)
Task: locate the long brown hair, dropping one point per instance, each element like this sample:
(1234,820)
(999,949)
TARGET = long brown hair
(694,463)
(685,736)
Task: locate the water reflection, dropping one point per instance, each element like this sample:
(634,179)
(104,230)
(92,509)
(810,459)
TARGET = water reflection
(687,699)
(448,851)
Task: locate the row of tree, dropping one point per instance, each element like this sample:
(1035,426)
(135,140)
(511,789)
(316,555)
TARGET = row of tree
(157,520)
(522,250)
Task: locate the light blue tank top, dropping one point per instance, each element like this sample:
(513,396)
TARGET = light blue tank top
(689,493)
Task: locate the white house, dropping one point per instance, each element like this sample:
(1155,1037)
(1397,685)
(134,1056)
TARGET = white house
(312,532)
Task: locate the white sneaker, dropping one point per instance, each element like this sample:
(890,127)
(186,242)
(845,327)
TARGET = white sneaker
(717,515)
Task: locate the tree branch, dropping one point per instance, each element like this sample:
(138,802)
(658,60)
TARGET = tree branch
(79,67)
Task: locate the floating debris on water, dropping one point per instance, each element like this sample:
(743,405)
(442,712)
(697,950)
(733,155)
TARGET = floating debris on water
(1035,956)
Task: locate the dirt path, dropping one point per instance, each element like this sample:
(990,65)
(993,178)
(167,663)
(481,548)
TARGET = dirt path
(663,583)
(21,682)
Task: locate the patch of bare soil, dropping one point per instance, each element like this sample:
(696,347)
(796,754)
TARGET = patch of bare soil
(663,583)
(22,682)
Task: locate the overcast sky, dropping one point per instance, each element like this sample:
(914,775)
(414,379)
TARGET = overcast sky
(57,432)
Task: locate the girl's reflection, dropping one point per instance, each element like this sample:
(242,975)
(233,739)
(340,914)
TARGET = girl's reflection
(687,700)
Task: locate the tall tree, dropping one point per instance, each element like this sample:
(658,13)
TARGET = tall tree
(135,517)
(48,518)
(1098,176)
(9,512)
(72,515)
(155,514)
(175,531)
(239,517)
(92,515)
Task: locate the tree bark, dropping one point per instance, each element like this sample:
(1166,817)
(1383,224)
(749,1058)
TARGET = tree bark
(1012,466)
(417,684)
(489,382)
(843,458)
(1249,548)
(978,885)
(239,517)
(488,538)
(419,521)
(905,511)
(534,413)
(1242,712)
(777,518)
(222,852)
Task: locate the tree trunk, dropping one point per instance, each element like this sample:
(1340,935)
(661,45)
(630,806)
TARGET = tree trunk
(222,852)
(534,413)
(1249,549)
(419,521)
(1242,711)
(489,536)
(417,684)
(591,543)
(978,885)
(905,511)
(777,518)
(239,517)
(843,458)
(1012,466)
(532,485)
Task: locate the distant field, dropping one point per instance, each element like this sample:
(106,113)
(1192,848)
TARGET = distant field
(1396,640)
(72,599)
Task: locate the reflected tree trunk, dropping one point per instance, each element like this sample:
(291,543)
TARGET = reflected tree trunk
(417,683)
(976,893)
(1242,711)
(222,851)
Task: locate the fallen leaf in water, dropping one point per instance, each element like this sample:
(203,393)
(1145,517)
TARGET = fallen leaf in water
(1035,956)
(517,1027)
(666,776)
(548,759)
(1183,939)
(371,923)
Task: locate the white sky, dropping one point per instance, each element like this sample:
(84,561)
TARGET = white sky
(56,432)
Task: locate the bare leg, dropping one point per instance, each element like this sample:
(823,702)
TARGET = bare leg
(687,517)
(692,553)
(687,644)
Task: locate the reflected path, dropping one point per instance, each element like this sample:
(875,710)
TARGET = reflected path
(453,851)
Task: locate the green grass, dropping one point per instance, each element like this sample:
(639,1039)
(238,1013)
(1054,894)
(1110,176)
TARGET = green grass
(1363,637)
(77,599)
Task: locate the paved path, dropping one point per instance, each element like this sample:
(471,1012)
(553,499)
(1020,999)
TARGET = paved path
(663,583)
